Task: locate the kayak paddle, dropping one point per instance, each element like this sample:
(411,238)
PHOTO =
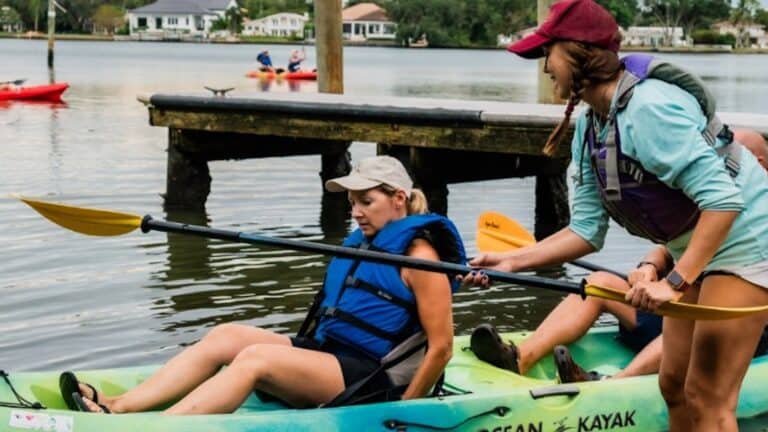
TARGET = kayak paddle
(17,82)
(111,223)
(499,233)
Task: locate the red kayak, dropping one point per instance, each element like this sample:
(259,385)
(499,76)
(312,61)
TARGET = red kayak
(279,74)
(48,92)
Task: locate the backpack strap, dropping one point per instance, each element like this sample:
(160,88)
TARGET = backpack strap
(715,129)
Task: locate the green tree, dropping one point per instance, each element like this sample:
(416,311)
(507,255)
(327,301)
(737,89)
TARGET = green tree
(761,17)
(625,11)
(450,23)
(688,14)
(108,17)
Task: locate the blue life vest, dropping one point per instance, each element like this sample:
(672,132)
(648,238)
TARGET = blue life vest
(264,59)
(294,66)
(632,196)
(366,306)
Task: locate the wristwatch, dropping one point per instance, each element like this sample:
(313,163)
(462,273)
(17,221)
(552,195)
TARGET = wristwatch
(677,282)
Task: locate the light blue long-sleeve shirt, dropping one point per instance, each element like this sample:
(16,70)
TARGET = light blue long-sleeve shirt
(661,129)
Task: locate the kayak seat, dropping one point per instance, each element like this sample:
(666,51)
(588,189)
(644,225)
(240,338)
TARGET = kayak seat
(397,368)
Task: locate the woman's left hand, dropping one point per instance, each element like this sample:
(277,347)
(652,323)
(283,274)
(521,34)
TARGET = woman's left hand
(649,295)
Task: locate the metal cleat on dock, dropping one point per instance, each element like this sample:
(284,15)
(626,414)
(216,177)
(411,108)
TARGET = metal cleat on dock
(219,92)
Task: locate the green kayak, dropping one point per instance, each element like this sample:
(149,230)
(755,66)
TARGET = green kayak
(485,399)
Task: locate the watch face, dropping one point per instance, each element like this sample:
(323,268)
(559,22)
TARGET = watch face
(675,279)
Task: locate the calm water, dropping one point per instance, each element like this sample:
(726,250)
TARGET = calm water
(70,301)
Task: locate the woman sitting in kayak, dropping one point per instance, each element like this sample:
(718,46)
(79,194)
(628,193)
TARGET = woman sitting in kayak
(367,309)
(265,61)
(294,62)
(638,330)
(672,186)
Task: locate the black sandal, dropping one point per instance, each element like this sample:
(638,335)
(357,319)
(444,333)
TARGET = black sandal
(68,384)
(80,405)
(487,345)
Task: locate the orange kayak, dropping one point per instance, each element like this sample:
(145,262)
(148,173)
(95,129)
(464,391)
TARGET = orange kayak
(279,74)
(47,92)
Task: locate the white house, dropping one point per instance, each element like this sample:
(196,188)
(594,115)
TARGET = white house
(171,18)
(280,24)
(757,35)
(654,36)
(365,21)
(10,21)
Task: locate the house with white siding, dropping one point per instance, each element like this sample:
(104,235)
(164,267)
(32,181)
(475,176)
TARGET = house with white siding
(653,36)
(758,38)
(366,21)
(171,19)
(283,24)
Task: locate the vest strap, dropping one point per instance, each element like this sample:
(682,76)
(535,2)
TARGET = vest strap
(333,312)
(354,282)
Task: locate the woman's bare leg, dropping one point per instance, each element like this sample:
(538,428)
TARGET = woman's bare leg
(721,353)
(676,349)
(300,377)
(646,362)
(190,368)
(572,318)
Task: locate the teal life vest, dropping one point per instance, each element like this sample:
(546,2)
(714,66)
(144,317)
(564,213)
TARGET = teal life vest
(366,306)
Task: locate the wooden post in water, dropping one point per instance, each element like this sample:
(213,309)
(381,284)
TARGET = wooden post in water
(330,76)
(330,61)
(51,30)
(552,212)
(545,84)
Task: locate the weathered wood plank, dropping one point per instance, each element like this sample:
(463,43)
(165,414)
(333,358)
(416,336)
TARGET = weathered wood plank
(490,138)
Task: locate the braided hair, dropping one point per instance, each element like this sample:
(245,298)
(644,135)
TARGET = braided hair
(590,65)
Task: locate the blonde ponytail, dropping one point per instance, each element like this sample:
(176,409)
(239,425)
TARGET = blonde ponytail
(417,203)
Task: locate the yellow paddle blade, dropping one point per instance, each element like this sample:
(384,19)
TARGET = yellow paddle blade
(679,309)
(89,221)
(498,233)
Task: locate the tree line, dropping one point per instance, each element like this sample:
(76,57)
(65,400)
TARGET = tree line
(447,23)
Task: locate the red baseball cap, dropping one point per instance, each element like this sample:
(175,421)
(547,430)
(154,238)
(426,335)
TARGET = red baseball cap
(571,20)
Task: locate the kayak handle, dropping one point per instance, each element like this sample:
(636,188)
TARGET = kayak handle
(555,390)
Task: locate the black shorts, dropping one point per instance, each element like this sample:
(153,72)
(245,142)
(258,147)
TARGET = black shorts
(647,329)
(353,367)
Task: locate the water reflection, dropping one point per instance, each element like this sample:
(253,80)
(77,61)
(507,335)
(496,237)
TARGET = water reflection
(487,91)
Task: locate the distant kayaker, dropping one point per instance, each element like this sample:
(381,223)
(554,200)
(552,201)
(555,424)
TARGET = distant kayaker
(364,311)
(294,62)
(265,61)
(652,161)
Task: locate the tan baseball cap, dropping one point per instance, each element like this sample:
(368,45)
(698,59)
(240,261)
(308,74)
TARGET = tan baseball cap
(372,172)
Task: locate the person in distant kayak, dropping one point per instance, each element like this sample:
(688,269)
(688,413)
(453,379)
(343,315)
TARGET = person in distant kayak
(638,330)
(294,62)
(365,311)
(8,86)
(265,61)
(646,154)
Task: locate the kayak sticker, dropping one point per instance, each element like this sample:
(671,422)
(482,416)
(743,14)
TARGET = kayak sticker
(588,423)
(36,421)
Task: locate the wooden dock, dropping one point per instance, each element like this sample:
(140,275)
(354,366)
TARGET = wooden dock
(440,141)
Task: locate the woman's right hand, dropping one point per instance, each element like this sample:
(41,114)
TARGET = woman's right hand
(644,273)
(492,260)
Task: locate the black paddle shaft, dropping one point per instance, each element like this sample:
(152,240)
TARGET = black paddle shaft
(594,267)
(451,269)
